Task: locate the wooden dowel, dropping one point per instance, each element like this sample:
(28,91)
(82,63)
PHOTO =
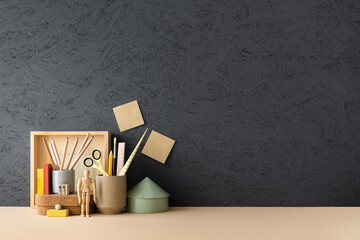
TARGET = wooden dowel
(72,153)
(48,152)
(64,153)
(81,153)
(56,152)
(53,155)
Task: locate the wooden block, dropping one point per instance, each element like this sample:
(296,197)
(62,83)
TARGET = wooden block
(39,155)
(128,116)
(158,146)
(40,181)
(47,179)
(57,213)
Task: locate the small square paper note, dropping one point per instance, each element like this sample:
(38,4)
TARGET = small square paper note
(128,116)
(158,146)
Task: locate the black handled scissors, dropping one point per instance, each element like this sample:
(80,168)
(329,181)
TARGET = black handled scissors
(95,162)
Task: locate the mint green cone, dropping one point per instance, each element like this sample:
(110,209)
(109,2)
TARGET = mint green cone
(147,197)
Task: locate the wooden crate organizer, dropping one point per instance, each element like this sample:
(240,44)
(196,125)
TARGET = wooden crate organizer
(38,155)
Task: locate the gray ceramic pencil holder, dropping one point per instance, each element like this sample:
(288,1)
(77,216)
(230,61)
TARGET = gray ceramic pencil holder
(111,194)
(63,177)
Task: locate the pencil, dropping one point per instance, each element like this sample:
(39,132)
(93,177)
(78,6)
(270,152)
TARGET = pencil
(64,153)
(81,153)
(81,147)
(72,153)
(48,152)
(51,144)
(53,155)
(83,144)
(110,164)
(56,152)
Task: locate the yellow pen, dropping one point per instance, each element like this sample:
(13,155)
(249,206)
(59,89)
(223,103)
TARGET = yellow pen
(110,163)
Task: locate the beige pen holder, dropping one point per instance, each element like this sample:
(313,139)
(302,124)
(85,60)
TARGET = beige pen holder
(111,194)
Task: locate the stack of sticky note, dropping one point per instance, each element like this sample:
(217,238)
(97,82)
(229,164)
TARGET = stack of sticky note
(129,116)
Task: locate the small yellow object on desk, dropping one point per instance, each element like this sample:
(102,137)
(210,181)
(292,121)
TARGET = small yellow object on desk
(57,212)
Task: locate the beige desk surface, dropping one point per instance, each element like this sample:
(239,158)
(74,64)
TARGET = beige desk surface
(189,223)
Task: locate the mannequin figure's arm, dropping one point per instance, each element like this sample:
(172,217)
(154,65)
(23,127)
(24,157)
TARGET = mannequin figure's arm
(79,190)
(94,189)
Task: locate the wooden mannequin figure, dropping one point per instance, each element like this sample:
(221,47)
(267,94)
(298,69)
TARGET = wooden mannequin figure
(84,192)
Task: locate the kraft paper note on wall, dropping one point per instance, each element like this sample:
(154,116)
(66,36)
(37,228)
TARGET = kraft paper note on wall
(158,146)
(128,116)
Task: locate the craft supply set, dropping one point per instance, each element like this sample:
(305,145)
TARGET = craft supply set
(91,177)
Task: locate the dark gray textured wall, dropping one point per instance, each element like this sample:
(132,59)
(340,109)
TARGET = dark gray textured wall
(262,97)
